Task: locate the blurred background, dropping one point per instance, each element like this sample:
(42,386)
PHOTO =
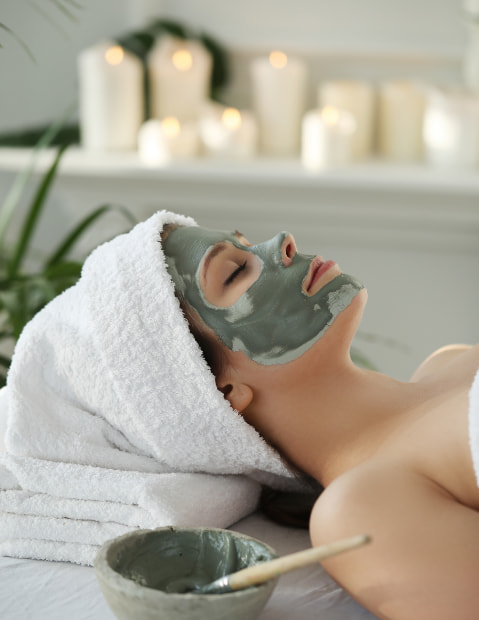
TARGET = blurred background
(402,215)
(366,36)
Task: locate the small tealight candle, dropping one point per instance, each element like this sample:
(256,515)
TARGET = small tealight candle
(358,98)
(279,95)
(400,120)
(160,142)
(327,138)
(228,132)
(110,97)
(180,75)
(451,128)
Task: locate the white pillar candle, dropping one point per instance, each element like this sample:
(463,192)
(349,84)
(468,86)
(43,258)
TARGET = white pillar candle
(279,96)
(451,128)
(160,142)
(358,98)
(111,97)
(180,76)
(228,132)
(400,118)
(327,138)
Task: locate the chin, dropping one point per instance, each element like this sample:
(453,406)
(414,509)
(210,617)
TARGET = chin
(350,317)
(345,325)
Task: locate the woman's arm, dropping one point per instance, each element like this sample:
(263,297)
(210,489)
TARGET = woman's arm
(423,561)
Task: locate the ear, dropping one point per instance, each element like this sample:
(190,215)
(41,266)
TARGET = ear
(239,395)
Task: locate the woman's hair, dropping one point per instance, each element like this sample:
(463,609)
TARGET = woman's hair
(208,344)
(214,356)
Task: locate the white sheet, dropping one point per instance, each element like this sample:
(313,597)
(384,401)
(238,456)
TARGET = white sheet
(36,590)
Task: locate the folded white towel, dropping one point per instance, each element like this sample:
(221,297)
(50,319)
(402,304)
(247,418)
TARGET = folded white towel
(113,417)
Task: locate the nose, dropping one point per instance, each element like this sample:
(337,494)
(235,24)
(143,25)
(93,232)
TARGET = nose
(288,250)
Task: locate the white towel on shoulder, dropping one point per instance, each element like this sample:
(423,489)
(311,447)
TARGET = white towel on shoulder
(112,419)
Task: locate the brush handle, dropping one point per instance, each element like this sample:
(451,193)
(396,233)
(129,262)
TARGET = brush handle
(260,573)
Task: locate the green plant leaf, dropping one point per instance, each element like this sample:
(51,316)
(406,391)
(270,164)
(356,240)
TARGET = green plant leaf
(69,134)
(221,72)
(361,360)
(33,214)
(77,5)
(22,179)
(77,232)
(20,41)
(66,11)
(4,361)
(63,269)
(166,26)
(139,43)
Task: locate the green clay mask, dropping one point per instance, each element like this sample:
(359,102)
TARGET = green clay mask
(273,321)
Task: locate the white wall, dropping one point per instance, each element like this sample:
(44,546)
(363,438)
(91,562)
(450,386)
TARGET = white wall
(411,26)
(37,93)
(376,38)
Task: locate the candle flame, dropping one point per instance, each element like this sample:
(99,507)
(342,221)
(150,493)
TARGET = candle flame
(114,55)
(278,59)
(182,60)
(330,115)
(170,126)
(440,131)
(231,119)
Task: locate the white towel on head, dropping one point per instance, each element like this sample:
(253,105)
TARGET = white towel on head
(114,419)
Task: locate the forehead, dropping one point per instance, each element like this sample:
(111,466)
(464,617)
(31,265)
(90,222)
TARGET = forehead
(188,245)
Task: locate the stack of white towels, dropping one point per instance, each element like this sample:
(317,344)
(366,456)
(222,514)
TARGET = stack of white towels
(111,419)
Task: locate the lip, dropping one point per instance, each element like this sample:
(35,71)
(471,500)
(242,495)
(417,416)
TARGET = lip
(317,269)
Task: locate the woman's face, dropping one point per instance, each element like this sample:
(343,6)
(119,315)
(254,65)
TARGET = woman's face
(266,300)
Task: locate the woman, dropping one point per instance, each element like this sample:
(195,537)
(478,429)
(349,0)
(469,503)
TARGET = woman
(394,457)
(112,419)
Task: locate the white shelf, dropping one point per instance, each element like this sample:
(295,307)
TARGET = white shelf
(374,203)
(409,231)
(369,175)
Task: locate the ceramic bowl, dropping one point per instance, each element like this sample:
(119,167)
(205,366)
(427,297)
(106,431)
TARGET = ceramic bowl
(144,574)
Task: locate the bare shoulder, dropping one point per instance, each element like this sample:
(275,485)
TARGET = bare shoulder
(424,556)
(439,359)
(360,498)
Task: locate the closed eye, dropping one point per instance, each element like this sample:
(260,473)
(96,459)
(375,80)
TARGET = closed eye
(235,274)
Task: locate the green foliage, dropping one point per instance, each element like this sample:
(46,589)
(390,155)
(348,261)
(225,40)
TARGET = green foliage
(69,134)
(22,292)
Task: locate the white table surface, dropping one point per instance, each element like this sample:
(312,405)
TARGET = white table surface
(35,590)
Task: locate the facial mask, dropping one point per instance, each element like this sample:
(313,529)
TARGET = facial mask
(274,321)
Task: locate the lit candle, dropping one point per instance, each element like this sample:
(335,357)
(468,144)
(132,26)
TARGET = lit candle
(400,119)
(228,132)
(110,97)
(180,75)
(279,95)
(327,138)
(160,142)
(358,98)
(451,128)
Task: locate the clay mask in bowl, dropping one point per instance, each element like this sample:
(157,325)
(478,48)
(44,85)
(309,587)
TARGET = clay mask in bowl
(149,574)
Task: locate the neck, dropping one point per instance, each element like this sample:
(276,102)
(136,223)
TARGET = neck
(343,419)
